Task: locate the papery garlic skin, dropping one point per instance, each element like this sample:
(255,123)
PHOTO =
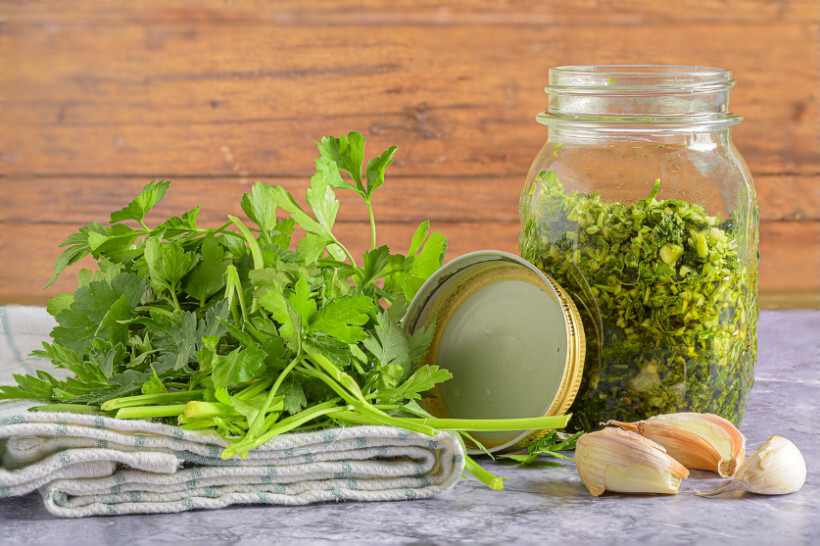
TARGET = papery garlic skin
(775,468)
(700,441)
(624,461)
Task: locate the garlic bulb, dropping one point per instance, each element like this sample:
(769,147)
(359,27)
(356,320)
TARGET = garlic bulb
(624,461)
(700,441)
(775,468)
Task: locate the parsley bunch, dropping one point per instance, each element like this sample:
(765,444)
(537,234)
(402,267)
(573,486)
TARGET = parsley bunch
(241,330)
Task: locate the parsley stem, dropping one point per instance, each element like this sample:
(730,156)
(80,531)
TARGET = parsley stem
(368,410)
(221,229)
(234,285)
(150,399)
(200,408)
(484,476)
(174,299)
(199,423)
(232,233)
(318,374)
(283,426)
(354,417)
(346,251)
(385,419)
(147,412)
(253,244)
(527,423)
(256,253)
(258,422)
(551,422)
(372,224)
(341,377)
(253,389)
(360,418)
(156,309)
(69,408)
(298,358)
(492,481)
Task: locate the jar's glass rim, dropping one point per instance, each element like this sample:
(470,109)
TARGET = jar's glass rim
(645,69)
(639,98)
(610,79)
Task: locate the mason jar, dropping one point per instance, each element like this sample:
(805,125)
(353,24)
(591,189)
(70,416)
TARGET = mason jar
(640,206)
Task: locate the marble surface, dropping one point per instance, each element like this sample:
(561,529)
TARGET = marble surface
(547,502)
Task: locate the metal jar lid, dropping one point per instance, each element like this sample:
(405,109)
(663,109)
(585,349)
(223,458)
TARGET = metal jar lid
(511,337)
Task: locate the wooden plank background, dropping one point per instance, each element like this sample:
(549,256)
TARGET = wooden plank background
(101,96)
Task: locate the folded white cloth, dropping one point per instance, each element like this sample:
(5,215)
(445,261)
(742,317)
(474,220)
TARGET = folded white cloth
(87,465)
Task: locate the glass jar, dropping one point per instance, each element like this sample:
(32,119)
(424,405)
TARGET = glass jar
(640,206)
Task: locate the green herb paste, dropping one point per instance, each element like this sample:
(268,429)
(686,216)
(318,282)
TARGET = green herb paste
(668,303)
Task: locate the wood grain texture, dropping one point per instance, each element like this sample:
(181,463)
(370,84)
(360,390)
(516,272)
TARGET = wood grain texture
(426,12)
(100,96)
(173,99)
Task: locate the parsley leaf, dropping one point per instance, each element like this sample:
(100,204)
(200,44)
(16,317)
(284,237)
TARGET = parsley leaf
(261,208)
(286,202)
(78,248)
(422,380)
(550,444)
(167,264)
(294,395)
(208,276)
(177,226)
(343,317)
(28,386)
(239,366)
(347,152)
(320,195)
(375,262)
(151,194)
(376,168)
(95,311)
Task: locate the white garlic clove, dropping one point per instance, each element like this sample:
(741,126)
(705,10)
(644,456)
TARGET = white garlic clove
(700,441)
(623,461)
(775,468)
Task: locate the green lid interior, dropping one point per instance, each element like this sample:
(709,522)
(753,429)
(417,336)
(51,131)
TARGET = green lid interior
(502,334)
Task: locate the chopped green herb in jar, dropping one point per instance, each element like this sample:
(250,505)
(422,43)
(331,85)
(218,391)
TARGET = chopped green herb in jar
(668,303)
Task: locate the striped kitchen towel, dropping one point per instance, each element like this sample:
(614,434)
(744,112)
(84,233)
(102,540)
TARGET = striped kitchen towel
(87,465)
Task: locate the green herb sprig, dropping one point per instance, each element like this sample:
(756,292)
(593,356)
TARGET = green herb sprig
(551,444)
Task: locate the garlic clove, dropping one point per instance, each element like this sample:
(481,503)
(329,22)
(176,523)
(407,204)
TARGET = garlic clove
(700,441)
(624,461)
(775,468)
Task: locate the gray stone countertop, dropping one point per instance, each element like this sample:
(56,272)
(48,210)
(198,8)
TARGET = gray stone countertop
(541,503)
